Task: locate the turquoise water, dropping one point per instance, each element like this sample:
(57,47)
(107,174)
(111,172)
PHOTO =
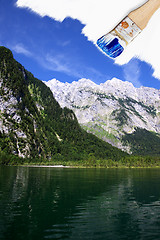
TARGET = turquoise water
(50,203)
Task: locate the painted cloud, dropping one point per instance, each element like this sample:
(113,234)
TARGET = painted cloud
(101,16)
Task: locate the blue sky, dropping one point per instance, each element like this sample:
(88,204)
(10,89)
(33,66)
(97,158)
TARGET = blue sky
(52,49)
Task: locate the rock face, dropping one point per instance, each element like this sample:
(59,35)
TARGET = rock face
(112,109)
(33,125)
(9,118)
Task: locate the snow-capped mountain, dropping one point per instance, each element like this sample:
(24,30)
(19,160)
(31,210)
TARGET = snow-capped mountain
(111,109)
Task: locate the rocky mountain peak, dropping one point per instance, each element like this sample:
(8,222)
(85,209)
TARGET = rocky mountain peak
(111,109)
(32,123)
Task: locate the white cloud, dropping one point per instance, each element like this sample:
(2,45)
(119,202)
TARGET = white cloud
(58,63)
(19,48)
(101,16)
(65,64)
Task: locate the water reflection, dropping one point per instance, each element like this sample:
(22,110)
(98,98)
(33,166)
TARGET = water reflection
(41,203)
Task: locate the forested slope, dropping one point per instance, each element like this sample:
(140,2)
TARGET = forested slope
(32,123)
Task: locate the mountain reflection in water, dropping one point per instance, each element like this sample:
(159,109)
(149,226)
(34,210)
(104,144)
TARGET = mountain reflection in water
(48,203)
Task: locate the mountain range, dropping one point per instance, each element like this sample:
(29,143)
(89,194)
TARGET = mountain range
(34,125)
(115,111)
(74,121)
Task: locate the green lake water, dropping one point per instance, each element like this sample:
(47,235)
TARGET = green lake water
(65,203)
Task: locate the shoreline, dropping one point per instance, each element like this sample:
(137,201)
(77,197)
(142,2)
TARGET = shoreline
(134,162)
(81,166)
(51,166)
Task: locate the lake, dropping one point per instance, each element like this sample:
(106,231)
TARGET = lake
(69,203)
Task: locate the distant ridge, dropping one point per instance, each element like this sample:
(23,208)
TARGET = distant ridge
(112,109)
(33,125)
